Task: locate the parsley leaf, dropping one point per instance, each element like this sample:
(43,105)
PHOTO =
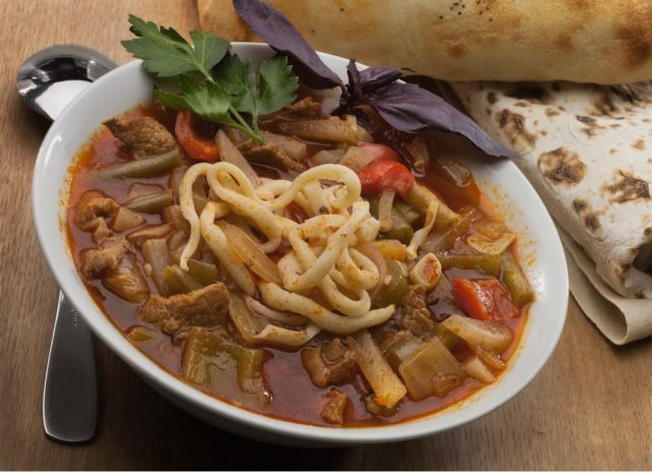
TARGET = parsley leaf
(204,78)
(277,85)
(166,53)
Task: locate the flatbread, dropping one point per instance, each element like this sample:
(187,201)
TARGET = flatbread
(621,319)
(598,41)
(587,150)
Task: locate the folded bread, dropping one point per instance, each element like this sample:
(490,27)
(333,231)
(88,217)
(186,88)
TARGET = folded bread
(599,41)
(587,149)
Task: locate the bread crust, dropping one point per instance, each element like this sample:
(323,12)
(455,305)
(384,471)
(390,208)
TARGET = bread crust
(598,41)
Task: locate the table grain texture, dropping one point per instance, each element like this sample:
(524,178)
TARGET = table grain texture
(590,408)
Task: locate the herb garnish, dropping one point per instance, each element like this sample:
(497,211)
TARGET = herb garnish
(209,81)
(406,107)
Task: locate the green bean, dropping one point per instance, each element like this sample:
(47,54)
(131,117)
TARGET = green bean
(486,263)
(202,272)
(151,203)
(397,287)
(177,281)
(420,197)
(150,167)
(515,281)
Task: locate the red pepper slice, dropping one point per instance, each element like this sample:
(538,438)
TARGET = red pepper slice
(196,147)
(379,151)
(383,174)
(484,299)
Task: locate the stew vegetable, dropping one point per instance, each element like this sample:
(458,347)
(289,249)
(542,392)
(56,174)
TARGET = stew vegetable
(289,260)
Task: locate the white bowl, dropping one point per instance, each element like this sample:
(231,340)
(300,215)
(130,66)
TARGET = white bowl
(126,87)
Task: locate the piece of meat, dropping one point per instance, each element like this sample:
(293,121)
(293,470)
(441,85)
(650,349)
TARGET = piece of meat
(278,150)
(333,410)
(101,232)
(331,363)
(91,208)
(416,315)
(143,137)
(305,108)
(97,262)
(206,307)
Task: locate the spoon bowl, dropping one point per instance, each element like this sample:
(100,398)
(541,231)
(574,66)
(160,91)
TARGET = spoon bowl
(49,79)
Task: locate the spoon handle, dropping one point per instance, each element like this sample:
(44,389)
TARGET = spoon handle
(70,391)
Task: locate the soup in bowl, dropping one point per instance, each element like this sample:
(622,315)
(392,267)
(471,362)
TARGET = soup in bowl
(333,282)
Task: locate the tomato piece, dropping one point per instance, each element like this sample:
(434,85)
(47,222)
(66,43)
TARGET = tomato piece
(380,175)
(196,147)
(379,151)
(484,299)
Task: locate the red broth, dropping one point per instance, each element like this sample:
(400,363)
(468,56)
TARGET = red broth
(295,398)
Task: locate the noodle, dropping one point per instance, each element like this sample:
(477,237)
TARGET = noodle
(281,299)
(322,254)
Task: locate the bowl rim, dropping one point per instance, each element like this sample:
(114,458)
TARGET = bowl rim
(151,371)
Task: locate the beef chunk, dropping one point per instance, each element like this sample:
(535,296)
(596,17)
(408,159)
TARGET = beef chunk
(101,232)
(97,262)
(91,208)
(331,363)
(207,307)
(333,410)
(304,108)
(278,150)
(142,137)
(416,315)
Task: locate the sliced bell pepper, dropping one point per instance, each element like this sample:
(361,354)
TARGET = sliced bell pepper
(196,147)
(385,174)
(484,299)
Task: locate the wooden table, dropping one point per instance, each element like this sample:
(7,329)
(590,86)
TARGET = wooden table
(591,407)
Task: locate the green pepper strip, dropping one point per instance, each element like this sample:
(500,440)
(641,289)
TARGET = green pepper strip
(486,263)
(515,281)
(150,167)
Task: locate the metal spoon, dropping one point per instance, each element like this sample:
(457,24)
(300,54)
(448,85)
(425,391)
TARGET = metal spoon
(48,81)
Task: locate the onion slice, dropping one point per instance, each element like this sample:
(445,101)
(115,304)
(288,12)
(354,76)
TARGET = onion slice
(385,203)
(374,254)
(250,253)
(230,153)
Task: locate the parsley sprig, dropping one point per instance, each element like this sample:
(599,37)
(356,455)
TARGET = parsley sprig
(205,78)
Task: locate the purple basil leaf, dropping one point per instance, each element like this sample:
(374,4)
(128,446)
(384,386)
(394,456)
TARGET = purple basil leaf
(376,77)
(410,108)
(274,28)
(354,87)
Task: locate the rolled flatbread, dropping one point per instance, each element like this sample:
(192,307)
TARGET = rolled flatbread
(587,149)
(598,41)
